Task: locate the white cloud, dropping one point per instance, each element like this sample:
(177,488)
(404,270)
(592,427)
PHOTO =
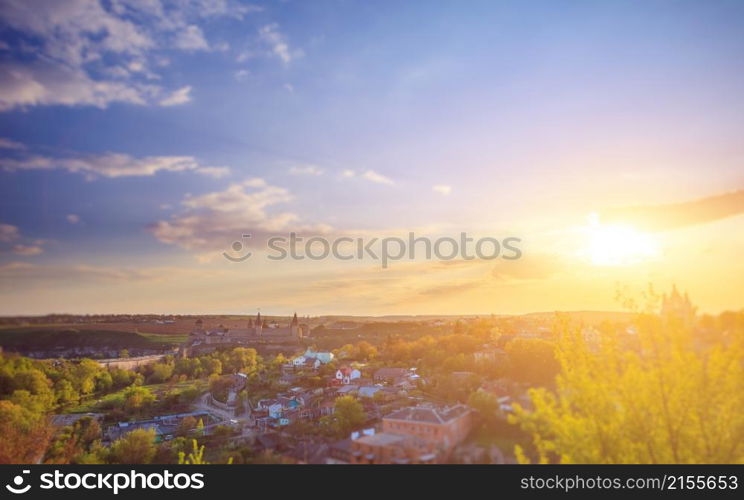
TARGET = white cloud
(276,43)
(10,144)
(112,165)
(91,52)
(306,170)
(373,176)
(191,38)
(27,250)
(368,175)
(442,189)
(72,218)
(180,96)
(216,172)
(212,221)
(45,83)
(8,233)
(242,75)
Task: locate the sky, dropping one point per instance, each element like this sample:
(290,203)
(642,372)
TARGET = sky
(140,139)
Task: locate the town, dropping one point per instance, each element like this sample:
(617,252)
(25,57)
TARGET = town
(280,390)
(259,389)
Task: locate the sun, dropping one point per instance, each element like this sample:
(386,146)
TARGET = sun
(618,244)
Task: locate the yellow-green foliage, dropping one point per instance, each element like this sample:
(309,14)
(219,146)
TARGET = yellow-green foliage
(669,398)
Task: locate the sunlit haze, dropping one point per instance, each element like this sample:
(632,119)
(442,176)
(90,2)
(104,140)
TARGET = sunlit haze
(137,144)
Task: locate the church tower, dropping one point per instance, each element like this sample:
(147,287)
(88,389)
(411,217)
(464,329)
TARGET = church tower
(294,327)
(259,325)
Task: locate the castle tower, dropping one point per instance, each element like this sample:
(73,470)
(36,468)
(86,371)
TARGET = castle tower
(294,327)
(198,325)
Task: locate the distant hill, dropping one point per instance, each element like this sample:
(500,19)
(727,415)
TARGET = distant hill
(47,338)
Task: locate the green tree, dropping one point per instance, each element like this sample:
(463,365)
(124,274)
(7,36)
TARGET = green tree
(136,447)
(137,397)
(161,372)
(195,457)
(66,393)
(348,414)
(666,401)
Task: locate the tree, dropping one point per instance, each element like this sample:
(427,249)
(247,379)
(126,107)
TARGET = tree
(532,360)
(161,372)
(195,457)
(486,404)
(366,351)
(665,401)
(187,425)
(213,366)
(136,447)
(25,434)
(76,444)
(66,393)
(348,414)
(242,359)
(137,397)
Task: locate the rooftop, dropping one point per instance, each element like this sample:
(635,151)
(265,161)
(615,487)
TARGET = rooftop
(432,415)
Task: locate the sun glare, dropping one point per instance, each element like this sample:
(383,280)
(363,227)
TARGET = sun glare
(619,245)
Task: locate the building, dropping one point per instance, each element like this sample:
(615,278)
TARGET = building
(490,355)
(345,375)
(387,448)
(678,306)
(369,391)
(391,375)
(323,357)
(447,426)
(418,434)
(257,329)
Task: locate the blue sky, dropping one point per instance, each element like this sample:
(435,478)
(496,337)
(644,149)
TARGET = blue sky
(129,127)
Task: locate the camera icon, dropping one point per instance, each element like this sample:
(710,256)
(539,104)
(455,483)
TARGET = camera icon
(17,486)
(237,247)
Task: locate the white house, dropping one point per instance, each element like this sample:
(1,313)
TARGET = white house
(323,357)
(345,374)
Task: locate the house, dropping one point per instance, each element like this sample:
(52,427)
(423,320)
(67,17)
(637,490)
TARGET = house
(345,375)
(298,361)
(387,448)
(323,357)
(445,426)
(490,355)
(340,452)
(347,389)
(276,407)
(391,375)
(369,391)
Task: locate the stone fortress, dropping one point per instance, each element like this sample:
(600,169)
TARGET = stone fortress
(202,339)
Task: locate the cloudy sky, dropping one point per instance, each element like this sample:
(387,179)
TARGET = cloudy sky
(140,138)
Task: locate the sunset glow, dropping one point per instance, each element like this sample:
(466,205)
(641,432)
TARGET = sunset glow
(619,245)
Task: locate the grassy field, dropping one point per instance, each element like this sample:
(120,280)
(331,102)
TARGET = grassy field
(95,405)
